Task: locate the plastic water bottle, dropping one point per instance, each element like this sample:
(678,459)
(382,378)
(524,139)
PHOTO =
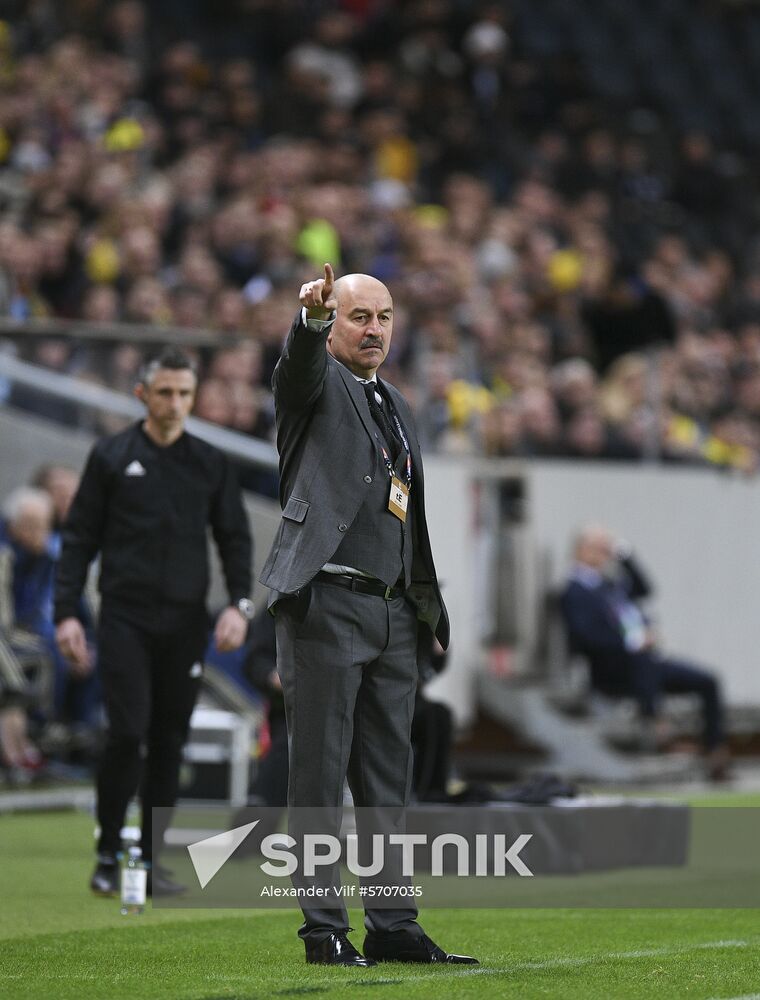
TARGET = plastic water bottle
(134,879)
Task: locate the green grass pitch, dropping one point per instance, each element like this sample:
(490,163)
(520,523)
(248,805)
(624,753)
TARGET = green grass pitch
(57,942)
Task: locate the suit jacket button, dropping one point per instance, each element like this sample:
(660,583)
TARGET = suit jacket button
(368,479)
(342,527)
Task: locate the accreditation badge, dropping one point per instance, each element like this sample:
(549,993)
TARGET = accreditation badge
(398,501)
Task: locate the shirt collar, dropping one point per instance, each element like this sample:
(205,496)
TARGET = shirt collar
(364,381)
(586,576)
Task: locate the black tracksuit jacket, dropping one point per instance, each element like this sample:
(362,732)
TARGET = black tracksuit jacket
(146,509)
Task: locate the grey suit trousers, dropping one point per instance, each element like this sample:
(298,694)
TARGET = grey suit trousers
(348,666)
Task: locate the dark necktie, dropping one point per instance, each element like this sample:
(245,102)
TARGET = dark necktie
(380,417)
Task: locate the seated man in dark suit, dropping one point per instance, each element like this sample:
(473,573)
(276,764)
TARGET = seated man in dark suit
(607,626)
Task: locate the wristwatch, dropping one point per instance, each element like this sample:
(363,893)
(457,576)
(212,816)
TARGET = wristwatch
(246,609)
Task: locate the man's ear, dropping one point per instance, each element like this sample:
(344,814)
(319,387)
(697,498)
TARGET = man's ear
(139,391)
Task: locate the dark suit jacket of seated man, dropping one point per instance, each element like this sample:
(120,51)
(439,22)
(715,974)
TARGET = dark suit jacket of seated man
(607,626)
(351,581)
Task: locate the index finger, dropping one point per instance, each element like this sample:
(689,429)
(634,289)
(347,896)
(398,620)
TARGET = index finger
(329,277)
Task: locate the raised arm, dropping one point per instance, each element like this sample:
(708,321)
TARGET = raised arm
(636,581)
(300,373)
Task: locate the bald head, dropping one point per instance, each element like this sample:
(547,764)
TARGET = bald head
(349,285)
(361,335)
(29,513)
(594,546)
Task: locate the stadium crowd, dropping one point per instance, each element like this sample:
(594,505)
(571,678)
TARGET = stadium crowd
(570,278)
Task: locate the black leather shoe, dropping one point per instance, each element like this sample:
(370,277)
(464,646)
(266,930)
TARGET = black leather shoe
(403,947)
(336,950)
(159,883)
(105,878)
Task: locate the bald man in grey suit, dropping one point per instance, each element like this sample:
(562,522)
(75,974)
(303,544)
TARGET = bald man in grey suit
(352,579)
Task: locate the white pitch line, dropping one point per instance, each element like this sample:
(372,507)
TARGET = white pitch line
(551,963)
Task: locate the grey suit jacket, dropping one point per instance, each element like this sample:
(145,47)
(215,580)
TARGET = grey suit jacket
(326,440)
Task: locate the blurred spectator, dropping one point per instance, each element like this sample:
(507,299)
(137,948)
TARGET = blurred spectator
(574,383)
(77,697)
(601,607)
(588,436)
(623,391)
(501,431)
(213,402)
(27,565)
(60,482)
(29,551)
(628,316)
(540,422)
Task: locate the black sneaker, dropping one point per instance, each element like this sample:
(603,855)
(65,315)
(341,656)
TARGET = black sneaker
(105,878)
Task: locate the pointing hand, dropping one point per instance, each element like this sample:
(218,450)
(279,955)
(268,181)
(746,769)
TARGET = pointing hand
(318,296)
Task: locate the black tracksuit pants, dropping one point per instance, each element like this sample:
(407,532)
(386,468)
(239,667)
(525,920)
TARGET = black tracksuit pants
(149,665)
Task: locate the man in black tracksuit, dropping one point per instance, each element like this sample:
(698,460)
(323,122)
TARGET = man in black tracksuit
(145,501)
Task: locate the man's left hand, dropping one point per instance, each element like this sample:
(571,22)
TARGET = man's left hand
(230,631)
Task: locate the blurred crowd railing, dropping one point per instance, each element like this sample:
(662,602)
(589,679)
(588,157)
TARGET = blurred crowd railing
(85,394)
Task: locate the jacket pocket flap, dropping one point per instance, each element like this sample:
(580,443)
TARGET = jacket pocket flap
(296,510)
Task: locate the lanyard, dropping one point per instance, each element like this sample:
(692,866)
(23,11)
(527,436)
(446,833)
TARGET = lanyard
(391,470)
(400,430)
(402,436)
